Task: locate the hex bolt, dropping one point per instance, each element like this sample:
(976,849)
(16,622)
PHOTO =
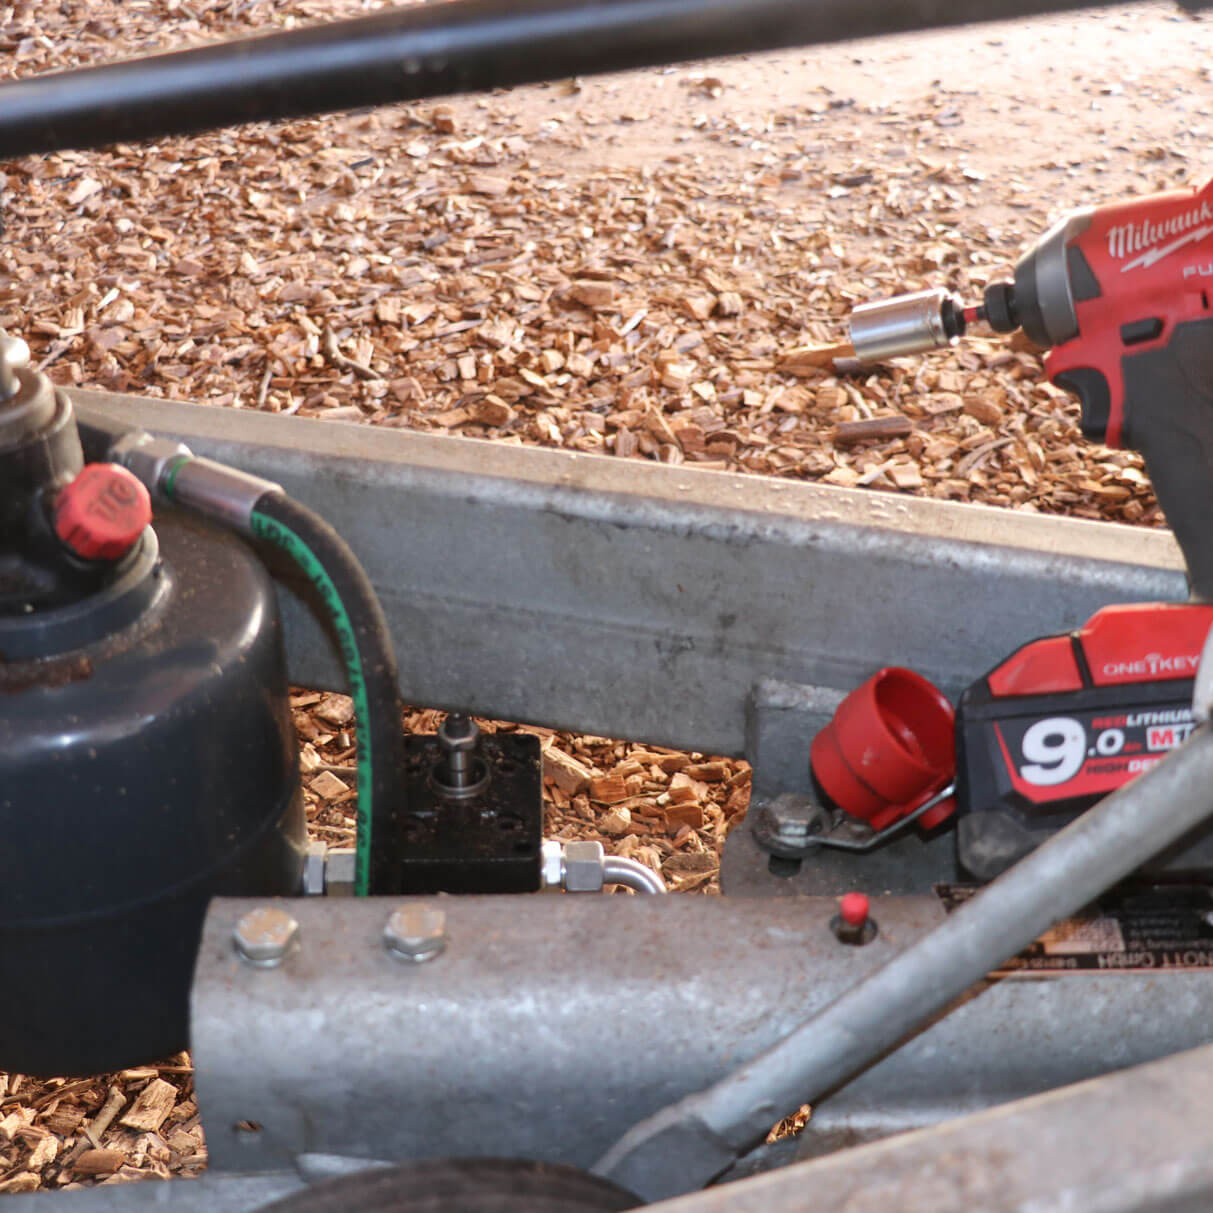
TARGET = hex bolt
(460,773)
(459,736)
(416,932)
(265,935)
(788,824)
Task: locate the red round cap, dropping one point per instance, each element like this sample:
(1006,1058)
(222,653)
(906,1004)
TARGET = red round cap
(102,513)
(853,909)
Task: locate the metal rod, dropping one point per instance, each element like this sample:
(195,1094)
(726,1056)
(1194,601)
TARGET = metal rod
(632,874)
(870,844)
(687,1144)
(435,50)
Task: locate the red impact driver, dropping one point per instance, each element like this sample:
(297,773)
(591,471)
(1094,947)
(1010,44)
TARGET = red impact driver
(1120,297)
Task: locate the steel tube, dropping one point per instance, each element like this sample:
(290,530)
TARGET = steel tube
(688,1143)
(1132,1142)
(632,874)
(432,50)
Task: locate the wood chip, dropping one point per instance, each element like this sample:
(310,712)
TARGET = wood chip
(617,821)
(849,432)
(709,772)
(328,785)
(151,1108)
(811,359)
(593,293)
(565,771)
(690,814)
(99,1162)
(332,351)
(482,183)
(609,789)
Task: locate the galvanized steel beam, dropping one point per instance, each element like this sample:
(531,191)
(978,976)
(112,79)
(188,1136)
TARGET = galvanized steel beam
(550,1024)
(634,600)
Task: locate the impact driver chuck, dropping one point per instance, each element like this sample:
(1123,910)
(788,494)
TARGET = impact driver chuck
(1119,296)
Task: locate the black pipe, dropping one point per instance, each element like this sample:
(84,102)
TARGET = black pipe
(434,50)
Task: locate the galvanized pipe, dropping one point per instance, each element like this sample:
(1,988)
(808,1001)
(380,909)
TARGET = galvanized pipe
(688,1143)
(433,50)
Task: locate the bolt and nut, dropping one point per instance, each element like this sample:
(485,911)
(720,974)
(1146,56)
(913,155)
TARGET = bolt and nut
(264,936)
(416,932)
(789,823)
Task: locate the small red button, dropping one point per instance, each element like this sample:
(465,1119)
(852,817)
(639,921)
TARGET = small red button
(854,908)
(102,513)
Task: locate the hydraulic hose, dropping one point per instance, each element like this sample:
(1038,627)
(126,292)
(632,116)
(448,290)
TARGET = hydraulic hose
(261,509)
(366,650)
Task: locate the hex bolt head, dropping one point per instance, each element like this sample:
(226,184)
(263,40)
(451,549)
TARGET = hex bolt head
(265,935)
(416,932)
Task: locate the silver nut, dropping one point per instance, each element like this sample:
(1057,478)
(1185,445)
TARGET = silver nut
(459,734)
(340,864)
(148,458)
(416,932)
(313,869)
(551,864)
(265,935)
(792,819)
(583,867)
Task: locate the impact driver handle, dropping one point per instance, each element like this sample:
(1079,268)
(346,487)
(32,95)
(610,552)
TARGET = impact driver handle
(1168,417)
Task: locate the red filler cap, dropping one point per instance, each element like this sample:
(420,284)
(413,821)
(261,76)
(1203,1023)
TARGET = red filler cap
(854,908)
(102,513)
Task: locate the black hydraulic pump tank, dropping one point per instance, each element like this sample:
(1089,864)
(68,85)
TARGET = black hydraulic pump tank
(147,758)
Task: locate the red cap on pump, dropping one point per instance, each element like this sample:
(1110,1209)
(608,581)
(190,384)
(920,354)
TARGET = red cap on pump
(102,513)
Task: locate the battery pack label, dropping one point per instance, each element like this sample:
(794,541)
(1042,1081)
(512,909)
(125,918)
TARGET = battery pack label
(1055,758)
(1162,929)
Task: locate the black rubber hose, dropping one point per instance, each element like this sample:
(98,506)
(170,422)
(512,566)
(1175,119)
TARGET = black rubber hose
(370,661)
(430,50)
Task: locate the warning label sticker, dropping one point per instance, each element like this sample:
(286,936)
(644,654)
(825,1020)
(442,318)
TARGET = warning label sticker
(1150,931)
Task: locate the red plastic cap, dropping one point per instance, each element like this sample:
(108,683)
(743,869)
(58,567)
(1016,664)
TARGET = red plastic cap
(889,747)
(854,908)
(102,513)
